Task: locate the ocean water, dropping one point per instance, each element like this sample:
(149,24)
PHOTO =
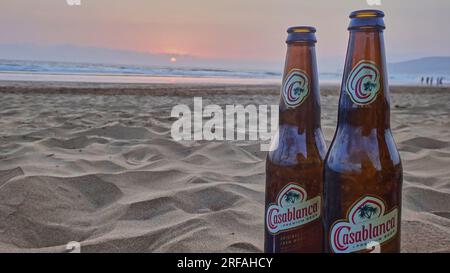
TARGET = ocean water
(84,72)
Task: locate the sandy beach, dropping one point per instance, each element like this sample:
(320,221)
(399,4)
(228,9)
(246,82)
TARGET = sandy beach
(96,164)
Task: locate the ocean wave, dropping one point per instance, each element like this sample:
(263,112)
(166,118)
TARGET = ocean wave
(67,68)
(111,69)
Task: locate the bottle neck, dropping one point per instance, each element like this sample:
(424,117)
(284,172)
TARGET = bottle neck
(364,100)
(299,100)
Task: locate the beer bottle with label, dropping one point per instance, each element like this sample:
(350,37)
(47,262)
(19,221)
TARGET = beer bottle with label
(363,171)
(294,166)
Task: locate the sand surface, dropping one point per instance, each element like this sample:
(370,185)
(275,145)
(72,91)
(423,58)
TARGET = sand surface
(103,169)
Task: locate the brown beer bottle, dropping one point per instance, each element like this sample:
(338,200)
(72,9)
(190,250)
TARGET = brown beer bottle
(294,166)
(363,171)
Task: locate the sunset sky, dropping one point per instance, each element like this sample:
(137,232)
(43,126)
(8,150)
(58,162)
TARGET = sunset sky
(240,30)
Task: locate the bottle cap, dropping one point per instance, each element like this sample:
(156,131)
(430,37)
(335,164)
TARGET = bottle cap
(301,34)
(369,18)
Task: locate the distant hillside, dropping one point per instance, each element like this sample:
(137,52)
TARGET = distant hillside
(423,66)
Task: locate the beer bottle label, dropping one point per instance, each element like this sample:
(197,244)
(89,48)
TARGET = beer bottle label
(295,88)
(363,83)
(367,224)
(292,209)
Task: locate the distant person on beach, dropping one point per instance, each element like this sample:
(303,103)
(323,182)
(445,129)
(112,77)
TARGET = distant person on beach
(431,81)
(421,80)
(428,80)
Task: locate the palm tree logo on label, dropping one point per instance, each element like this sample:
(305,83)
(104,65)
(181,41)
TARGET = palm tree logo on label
(292,209)
(367,223)
(363,83)
(295,88)
(367,211)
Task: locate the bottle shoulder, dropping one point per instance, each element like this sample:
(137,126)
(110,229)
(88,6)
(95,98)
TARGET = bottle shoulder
(356,149)
(291,147)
